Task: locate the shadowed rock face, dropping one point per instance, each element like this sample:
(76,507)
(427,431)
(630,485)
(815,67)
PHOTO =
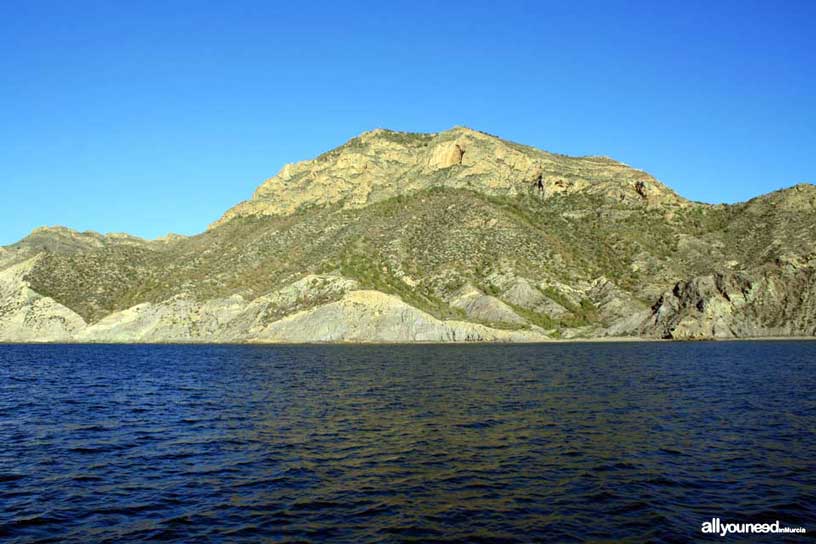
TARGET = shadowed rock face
(771,301)
(450,237)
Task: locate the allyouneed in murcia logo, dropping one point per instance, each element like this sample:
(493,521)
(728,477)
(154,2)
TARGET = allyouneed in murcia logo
(715,526)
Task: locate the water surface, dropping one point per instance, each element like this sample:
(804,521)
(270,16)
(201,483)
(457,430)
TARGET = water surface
(516,443)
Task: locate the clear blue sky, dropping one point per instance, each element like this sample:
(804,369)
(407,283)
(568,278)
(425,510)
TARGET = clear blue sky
(150,117)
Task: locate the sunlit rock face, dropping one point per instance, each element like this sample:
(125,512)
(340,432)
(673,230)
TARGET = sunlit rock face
(381,164)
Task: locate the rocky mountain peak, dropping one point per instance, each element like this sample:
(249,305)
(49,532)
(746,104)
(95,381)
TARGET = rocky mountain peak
(382,163)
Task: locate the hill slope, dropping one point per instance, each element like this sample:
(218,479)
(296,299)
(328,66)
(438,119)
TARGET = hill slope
(455,236)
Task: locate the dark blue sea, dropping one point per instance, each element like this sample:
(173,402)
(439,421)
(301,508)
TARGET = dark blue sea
(600,442)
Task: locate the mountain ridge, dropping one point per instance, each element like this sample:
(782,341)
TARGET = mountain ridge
(457,158)
(450,236)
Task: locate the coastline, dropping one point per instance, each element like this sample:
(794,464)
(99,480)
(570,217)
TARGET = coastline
(599,340)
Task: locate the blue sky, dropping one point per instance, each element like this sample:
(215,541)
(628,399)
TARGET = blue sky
(151,117)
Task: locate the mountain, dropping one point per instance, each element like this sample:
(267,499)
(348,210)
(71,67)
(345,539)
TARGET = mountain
(453,236)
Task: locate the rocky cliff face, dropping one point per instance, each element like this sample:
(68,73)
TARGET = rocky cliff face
(775,300)
(450,237)
(382,164)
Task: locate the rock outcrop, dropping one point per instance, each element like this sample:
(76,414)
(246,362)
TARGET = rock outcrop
(446,155)
(342,314)
(382,164)
(478,306)
(770,301)
(371,316)
(26,316)
(521,292)
(180,319)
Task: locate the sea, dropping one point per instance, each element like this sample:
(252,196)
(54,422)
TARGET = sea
(563,442)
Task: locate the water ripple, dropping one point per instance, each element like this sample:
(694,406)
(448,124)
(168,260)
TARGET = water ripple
(564,443)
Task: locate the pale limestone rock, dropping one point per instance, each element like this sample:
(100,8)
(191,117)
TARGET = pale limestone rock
(482,307)
(180,319)
(613,303)
(446,155)
(184,319)
(522,292)
(372,316)
(309,291)
(27,316)
(337,313)
(625,325)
